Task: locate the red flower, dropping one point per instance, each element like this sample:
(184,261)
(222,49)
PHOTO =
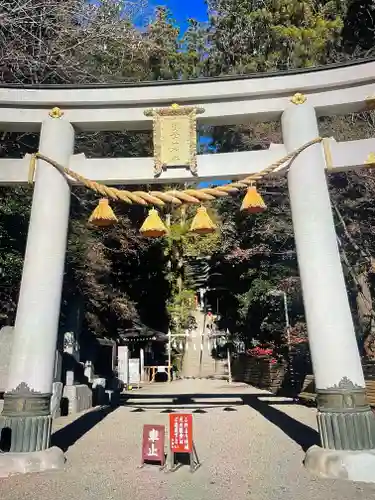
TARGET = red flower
(260,351)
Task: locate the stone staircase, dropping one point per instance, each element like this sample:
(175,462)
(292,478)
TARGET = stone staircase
(198,362)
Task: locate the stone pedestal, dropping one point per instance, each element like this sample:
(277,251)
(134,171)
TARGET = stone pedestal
(339,464)
(26,463)
(78,397)
(26,420)
(345,420)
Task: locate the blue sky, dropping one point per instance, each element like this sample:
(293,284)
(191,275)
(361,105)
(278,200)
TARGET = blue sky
(183,9)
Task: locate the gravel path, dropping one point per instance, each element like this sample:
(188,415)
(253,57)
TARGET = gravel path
(251,452)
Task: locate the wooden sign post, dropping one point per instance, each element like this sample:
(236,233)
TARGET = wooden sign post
(181,440)
(153,444)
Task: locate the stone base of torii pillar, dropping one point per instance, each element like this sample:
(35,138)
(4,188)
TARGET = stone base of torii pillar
(346,422)
(344,464)
(34,461)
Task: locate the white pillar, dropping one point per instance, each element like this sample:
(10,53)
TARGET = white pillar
(38,312)
(333,344)
(334,352)
(142,363)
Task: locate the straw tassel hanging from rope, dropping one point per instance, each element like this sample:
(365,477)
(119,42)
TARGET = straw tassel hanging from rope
(153,226)
(202,223)
(103,215)
(253,202)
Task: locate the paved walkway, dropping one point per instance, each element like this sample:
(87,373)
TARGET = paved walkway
(250,445)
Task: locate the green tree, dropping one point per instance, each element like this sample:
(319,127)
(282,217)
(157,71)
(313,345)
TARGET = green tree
(195,49)
(181,245)
(14,217)
(163,38)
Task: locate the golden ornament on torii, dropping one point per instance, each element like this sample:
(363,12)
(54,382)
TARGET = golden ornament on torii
(175,137)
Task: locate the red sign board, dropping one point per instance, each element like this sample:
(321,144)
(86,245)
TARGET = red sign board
(153,443)
(181,432)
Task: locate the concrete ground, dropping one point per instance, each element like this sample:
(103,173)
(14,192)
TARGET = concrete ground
(250,444)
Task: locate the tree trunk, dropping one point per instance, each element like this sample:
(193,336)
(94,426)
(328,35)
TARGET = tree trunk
(366,315)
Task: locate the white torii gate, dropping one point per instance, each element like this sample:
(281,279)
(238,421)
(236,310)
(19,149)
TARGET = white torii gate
(345,420)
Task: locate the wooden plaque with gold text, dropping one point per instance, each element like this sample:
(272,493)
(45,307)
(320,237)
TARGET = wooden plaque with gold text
(175,137)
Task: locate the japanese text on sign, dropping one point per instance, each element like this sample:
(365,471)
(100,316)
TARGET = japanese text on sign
(181,433)
(153,443)
(175,141)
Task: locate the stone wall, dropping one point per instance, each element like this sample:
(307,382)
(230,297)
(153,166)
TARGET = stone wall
(368,369)
(259,372)
(284,378)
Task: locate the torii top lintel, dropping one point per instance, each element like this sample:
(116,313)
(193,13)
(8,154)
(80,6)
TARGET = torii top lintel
(336,89)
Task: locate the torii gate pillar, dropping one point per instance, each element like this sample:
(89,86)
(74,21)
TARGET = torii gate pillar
(26,411)
(345,420)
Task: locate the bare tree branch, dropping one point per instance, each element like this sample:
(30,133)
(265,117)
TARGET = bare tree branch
(70,41)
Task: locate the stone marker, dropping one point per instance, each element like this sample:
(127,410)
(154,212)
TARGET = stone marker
(79,398)
(6,342)
(57,390)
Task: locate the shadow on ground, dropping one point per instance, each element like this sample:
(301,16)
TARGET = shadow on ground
(65,437)
(302,434)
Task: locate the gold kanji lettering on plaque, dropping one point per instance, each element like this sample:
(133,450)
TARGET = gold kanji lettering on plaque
(175,137)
